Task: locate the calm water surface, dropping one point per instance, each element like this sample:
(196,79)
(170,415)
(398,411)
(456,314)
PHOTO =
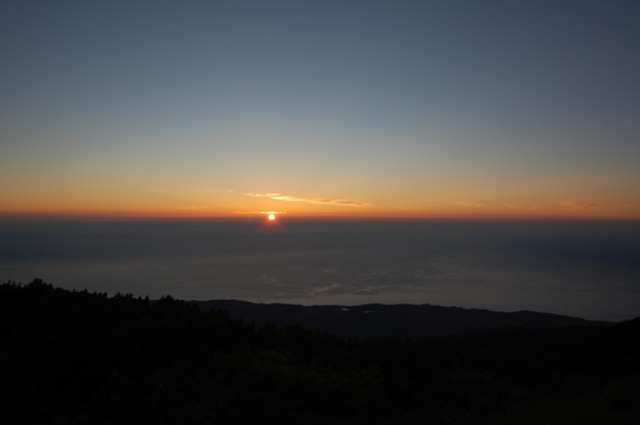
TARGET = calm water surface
(585,269)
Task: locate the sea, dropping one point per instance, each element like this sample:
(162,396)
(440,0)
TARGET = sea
(588,269)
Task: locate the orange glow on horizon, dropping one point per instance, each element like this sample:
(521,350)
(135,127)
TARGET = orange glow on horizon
(273,218)
(270,210)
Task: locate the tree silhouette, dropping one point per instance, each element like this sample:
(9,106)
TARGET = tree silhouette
(79,357)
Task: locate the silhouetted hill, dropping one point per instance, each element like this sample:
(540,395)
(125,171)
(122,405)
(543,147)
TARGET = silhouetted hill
(70,357)
(391,321)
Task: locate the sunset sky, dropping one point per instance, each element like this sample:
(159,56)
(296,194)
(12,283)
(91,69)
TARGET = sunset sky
(320,108)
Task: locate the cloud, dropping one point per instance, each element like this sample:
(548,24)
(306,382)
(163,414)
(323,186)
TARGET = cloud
(317,201)
(468,204)
(259,212)
(583,206)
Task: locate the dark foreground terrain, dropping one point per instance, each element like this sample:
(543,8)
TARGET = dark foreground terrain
(82,358)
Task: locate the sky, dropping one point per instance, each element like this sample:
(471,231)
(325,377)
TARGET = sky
(320,108)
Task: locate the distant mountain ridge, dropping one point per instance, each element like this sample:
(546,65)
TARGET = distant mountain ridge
(372,321)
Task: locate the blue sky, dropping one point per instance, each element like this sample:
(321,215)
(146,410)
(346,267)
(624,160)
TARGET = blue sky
(424,108)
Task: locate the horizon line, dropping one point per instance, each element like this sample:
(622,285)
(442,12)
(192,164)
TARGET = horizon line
(296,217)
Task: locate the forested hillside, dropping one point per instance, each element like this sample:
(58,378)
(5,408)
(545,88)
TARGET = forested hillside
(82,358)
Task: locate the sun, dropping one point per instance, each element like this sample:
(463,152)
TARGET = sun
(271,217)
